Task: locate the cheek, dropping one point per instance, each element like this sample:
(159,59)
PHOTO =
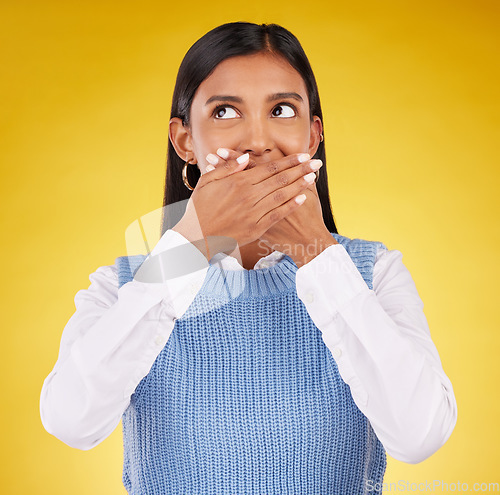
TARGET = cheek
(204,142)
(294,140)
(209,140)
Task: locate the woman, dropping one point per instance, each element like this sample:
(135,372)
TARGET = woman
(255,349)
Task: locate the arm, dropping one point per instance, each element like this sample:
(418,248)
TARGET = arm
(381,342)
(108,346)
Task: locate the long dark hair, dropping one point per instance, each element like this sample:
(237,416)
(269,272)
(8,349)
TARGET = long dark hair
(230,40)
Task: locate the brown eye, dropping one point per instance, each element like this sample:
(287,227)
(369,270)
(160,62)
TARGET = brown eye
(225,113)
(283,111)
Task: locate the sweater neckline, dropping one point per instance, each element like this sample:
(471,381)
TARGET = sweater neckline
(250,284)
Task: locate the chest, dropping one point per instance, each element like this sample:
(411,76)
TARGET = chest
(261,366)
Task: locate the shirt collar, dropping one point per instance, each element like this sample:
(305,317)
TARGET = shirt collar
(231,263)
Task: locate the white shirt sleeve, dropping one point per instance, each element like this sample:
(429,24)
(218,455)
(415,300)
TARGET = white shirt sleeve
(109,345)
(382,345)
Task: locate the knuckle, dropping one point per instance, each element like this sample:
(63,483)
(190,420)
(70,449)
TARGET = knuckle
(278,196)
(272,167)
(274,216)
(283,179)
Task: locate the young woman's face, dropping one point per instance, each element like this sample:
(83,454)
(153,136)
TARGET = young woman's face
(254,104)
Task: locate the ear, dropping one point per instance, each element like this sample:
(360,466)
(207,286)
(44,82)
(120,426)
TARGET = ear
(315,135)
(181,139)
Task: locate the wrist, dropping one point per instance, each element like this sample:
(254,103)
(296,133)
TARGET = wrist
(193,235)
(210,245)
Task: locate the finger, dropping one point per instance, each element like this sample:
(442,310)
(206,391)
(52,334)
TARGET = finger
(278,193)
(230,162)
(281,211)
(293,169)
(266,170)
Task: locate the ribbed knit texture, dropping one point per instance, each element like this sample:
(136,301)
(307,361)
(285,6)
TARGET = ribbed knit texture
(245,397)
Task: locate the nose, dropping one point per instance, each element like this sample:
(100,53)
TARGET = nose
(257,138)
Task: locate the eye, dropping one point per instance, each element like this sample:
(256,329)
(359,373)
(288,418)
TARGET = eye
(283,110)
(225,112)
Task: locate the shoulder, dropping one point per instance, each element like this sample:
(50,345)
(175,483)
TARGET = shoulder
(383,257)
(103,289)
(358,243)
(361,248)
(126,266)
(363,254)
(105,280)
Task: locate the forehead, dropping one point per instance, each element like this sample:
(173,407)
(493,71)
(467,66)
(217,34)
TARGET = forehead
(255,74)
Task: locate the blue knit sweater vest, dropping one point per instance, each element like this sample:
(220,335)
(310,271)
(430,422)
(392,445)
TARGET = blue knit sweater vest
(245,397)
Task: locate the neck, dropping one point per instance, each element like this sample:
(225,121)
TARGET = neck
(253,252)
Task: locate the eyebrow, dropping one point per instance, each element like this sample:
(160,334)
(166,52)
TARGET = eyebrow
(237,99)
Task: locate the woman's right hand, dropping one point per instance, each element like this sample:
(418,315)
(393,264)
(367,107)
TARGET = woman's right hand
(230,209)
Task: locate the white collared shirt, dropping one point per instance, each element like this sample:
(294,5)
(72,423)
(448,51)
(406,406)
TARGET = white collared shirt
(379,339)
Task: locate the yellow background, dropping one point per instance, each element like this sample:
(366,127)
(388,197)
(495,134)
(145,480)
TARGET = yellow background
(411,127)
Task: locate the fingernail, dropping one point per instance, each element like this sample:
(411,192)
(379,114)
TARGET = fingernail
(316,164)
(213,159)
(210,168)
(243,158)
(310,177)
(300,199)
(304,157)
(223,152)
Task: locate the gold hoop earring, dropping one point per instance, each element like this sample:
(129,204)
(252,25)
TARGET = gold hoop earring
(321,139)
(184,176)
